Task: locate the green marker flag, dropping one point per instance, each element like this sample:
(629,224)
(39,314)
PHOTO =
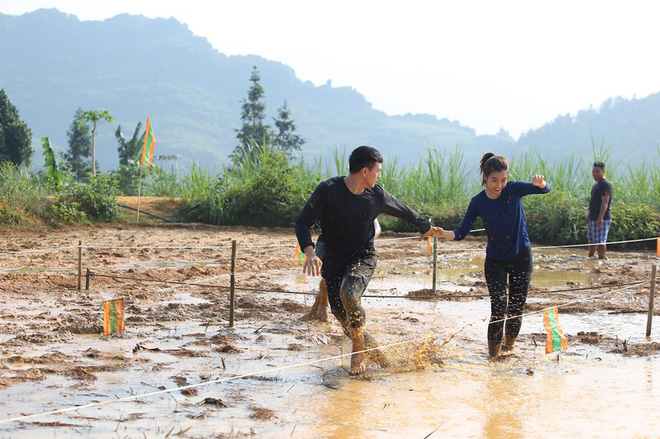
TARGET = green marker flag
(555,340)
(113,316)
(300,256)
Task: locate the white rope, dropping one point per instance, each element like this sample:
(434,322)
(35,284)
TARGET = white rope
(562,305)
(281,368)
(173,247)
(608,243)
(38,250)
(217,247)
(190,386)
(547,247)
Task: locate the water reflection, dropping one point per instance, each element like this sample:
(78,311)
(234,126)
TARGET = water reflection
(504,407)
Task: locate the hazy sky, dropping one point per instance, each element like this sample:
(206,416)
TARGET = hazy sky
(489,64)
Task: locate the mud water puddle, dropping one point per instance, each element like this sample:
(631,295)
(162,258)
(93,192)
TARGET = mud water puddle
(264,377)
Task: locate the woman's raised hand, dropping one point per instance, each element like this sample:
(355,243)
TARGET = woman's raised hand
(538,180)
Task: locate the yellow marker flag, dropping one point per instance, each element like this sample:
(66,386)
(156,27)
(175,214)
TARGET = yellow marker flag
(555,340)
(113,316)
(300,256)
(149,144)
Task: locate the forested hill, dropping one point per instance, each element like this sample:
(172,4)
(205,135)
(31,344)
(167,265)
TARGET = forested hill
(630,128)
(132,66)
(51,63)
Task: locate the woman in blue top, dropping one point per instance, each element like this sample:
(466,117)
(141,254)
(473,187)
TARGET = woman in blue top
(508,252)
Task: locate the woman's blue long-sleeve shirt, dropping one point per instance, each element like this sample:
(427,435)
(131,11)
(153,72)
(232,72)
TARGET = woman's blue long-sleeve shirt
(503,218)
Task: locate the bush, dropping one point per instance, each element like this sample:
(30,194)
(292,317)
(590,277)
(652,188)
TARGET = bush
(65,212)
(556,218)
(205,206)
(78,202)
(9,216)
(632,221)
(266,197)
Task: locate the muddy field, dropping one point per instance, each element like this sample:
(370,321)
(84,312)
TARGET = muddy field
(179,370)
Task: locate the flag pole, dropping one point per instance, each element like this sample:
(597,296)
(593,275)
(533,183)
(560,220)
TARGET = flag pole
(139,188)
(142,163)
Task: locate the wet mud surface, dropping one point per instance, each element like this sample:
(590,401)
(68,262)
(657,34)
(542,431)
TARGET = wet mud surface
(175,282)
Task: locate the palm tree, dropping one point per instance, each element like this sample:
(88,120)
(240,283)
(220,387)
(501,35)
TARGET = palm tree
(95,117)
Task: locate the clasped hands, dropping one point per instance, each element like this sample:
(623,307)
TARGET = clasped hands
(433,232)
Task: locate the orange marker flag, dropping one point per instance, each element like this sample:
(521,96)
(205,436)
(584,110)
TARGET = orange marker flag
(113,316)
(657,250)
(429,245)
(149,144)
(555,340)
(300,256)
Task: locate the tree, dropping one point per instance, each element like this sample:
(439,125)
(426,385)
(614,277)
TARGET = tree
(253,129)
(128,175)
(129,151)
(95,117)
(77,156)
(15,136)
(286,138)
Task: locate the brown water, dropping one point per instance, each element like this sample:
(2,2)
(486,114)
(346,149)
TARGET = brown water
(582,393)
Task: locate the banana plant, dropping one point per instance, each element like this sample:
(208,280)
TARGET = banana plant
(52,171)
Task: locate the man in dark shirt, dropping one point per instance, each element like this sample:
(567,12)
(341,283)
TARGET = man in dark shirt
(599,219)
(346,208)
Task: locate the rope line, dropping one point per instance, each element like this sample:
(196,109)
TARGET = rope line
(371,296)
(571,302)
(218,247)
(286,367)
(291,366)
(607,243)
(222,380)
(37,250)
(157,247)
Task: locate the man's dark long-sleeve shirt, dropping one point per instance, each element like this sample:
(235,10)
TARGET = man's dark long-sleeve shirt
(347,219)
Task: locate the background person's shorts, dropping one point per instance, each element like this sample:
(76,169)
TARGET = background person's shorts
(598,235)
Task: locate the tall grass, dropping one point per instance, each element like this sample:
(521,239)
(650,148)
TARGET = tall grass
(21,190)
(266,188)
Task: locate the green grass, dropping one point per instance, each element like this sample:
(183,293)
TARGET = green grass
(268,189)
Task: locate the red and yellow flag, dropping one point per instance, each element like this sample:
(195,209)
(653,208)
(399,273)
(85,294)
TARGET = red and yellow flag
(113,316)
(149,144)
(555,340)
(300,256)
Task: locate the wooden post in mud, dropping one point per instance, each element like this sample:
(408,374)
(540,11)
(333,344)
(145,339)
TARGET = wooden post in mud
(232,283)
(649,319)
(435,263)
(87,276)
(79,265)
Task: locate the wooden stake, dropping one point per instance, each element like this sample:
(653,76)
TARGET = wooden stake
(649,319)
(79,265)
(87,276)
(232,283)
(435,263)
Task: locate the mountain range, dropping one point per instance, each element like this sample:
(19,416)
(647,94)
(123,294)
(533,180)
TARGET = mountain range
(52,63)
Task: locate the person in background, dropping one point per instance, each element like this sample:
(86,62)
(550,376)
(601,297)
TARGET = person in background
(599,217)
(346,208)
(508,252)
